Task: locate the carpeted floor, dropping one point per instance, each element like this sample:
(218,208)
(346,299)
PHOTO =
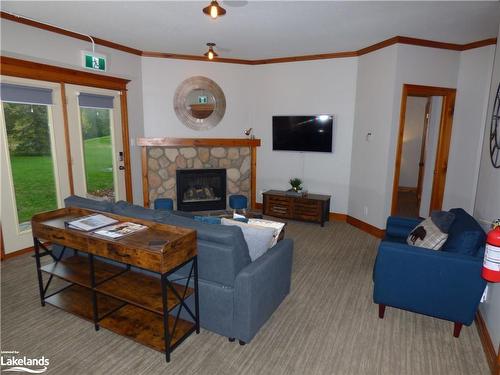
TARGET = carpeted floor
(327,325)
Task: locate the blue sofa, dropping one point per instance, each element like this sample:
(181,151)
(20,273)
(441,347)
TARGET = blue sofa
(445,284)
(236,296)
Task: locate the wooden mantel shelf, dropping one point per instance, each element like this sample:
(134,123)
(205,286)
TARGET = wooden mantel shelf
(199,142)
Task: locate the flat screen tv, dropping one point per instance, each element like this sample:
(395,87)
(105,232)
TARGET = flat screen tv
(303,133)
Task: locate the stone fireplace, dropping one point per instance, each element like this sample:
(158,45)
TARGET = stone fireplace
(165,160)
(201,189)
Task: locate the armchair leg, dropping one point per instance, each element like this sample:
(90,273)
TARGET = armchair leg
(381,311)
(457,328)
(231,339)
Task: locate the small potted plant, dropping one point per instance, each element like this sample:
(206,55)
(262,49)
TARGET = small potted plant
(296,184)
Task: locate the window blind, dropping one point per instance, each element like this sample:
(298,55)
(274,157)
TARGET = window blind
(95,101)
(25,94)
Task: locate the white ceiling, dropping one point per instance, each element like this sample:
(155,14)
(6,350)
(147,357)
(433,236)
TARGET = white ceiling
(266,29)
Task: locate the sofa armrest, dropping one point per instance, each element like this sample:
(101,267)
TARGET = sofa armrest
(436,283)
(400,227)
(260,288)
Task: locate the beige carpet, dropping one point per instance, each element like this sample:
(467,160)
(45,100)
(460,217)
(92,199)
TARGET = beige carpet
(327,325)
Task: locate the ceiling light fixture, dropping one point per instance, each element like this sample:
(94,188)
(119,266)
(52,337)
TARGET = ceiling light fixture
(214,10)
(211,53)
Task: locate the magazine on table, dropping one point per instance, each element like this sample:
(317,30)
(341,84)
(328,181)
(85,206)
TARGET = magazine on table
(90,222)
(120,230)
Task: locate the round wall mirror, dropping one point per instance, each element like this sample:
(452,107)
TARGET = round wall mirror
(199,103)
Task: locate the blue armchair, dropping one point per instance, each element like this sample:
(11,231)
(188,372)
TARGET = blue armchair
(445,284)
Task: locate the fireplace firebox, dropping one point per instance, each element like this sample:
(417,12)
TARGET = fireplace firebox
(201,189)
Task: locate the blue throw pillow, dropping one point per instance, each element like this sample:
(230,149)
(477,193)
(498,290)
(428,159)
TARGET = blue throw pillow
(465,236)
(443,220)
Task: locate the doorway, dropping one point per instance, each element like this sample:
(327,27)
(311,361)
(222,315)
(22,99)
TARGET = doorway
(56,139)
(422,150)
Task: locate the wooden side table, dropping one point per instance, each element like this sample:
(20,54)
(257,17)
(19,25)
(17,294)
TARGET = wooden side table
(118,297)
(310,207)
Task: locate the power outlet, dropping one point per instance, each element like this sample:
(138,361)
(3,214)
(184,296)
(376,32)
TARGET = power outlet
(365,210)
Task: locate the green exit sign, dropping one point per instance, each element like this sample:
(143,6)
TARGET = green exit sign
(94,61)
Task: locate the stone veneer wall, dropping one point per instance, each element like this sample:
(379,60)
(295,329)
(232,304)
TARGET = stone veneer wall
(164,161)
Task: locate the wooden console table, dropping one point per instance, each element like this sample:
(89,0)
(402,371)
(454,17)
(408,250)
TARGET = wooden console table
(119,297)
(311,207)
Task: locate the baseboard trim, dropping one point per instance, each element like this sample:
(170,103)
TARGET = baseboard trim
(334,216)
(337,217)
(489,350)
(22,252)
(365,227)
(18,253)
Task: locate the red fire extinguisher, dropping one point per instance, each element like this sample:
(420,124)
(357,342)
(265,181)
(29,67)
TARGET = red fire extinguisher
(491,264)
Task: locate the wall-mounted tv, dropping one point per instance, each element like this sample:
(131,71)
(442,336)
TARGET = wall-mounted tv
(303,133)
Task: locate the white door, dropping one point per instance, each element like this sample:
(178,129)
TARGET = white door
(33,161)
(96,142)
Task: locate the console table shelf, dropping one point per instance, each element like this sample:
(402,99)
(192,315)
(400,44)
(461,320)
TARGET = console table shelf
(142,291)
(118,296)
(77,300)
(75,269)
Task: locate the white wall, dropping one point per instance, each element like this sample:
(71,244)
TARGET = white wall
(160,79)
(253,96)
(373,114)
(430,154)
(307,88)
(33,44)
(412,141)
(487,207)
(467,133)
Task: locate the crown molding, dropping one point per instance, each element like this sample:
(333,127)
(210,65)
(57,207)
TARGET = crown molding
(57,30)
(323,56)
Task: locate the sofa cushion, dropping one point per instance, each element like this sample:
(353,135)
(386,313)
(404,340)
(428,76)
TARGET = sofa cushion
(465,236)
(428,235)
(222,250)
(132,210)
(91,204)
(207,219)
(259,239)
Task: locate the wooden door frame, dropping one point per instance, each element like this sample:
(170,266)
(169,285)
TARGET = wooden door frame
(443,145)
(14,67)
(423,147)
(44,72)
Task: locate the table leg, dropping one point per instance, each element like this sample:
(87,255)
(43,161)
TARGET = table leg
(166,334)
(36,245)
(196,298)
(94,293)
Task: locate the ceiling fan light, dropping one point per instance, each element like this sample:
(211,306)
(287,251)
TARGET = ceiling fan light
(214,10)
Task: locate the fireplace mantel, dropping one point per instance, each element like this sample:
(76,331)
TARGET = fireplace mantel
(199,142)
(228,143)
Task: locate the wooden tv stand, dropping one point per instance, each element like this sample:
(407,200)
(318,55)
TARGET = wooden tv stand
(311,207)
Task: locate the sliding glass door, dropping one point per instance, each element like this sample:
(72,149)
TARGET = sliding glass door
(96,142)
(33,159)
(36,144)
